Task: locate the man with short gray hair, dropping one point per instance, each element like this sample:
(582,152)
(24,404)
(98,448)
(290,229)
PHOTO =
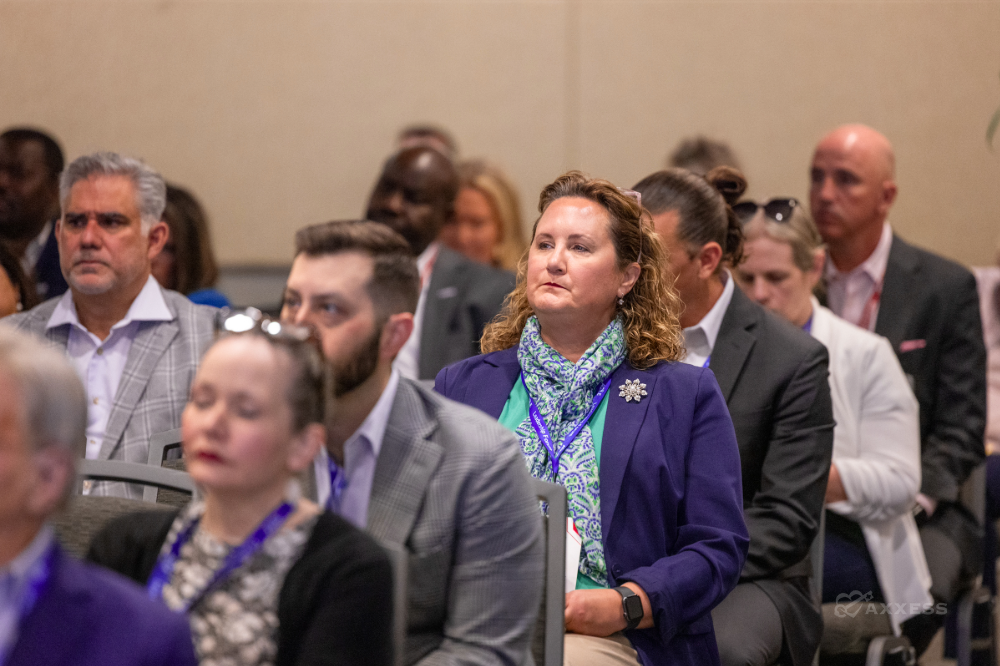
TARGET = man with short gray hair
(134,345)
(53,608)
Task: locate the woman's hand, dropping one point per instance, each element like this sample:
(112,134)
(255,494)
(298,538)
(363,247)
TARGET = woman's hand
(599,612)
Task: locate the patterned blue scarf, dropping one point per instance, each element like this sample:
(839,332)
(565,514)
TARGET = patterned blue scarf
(564,392)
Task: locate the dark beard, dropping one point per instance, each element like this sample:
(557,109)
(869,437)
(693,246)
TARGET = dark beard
(360,367)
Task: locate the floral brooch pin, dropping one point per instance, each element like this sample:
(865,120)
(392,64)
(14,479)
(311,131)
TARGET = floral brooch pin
(632,390)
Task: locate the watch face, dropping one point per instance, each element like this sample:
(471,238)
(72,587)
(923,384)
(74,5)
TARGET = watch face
(633,608)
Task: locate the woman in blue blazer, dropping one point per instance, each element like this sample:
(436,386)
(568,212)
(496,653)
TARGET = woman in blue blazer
(581,366)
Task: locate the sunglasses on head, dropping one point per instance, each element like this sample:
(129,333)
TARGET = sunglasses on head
(779,210)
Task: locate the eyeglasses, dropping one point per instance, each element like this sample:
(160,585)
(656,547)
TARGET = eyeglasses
(779,210)
(252,318)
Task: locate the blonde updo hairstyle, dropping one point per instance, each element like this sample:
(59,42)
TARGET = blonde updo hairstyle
(651,309)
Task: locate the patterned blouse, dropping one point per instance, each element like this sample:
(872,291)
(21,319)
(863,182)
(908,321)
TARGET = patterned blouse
(236,623)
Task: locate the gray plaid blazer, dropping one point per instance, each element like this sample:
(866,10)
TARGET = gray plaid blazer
(155,383)
(451,487)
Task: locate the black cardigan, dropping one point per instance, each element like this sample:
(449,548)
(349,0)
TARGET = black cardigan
(334,608)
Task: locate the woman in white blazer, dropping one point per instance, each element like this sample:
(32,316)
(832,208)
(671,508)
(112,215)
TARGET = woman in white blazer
(875,474)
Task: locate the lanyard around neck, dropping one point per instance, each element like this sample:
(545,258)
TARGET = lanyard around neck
(538,423)
(237,556)
(338,482)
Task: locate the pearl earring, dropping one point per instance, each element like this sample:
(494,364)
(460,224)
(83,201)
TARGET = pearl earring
(621,301)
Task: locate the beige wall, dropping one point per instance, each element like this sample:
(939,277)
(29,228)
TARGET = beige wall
(278,113)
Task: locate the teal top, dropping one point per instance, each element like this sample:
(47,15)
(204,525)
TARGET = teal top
(514,413)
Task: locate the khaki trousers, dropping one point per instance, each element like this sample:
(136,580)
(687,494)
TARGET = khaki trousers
(613,650)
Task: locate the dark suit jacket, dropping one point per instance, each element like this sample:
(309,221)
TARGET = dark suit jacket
(929,311)
(774,379)
(462,298)
(671,513)
(49,280)
(335,603)
(87,616)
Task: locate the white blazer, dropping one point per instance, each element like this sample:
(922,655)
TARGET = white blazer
(876,448)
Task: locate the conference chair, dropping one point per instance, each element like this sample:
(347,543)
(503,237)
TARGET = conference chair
(399,559)
(550,629)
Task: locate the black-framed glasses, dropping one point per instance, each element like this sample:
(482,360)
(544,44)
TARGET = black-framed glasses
(779,210)
(251,318)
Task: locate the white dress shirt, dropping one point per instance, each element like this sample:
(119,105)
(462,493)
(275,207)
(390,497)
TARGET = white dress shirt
(407,361)
(849,293)
(360,457)
(14,583)
(699,340)
(100,363)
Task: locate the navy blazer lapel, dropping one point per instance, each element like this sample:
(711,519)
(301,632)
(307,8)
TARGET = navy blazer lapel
(733,345)
(406,464)
(895,308)
(149,345)
(621,429)
(492,381)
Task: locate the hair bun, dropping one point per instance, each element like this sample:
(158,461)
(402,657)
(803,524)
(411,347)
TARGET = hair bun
(729,182)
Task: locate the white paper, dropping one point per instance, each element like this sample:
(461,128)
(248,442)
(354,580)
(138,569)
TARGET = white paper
(574,543)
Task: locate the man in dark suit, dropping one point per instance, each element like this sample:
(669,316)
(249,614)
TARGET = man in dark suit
(30,163)
(416,470)
(53,608)
(928,308)
(774,379)
(415,195)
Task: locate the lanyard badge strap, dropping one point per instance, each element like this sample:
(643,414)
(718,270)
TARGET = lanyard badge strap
(538,423)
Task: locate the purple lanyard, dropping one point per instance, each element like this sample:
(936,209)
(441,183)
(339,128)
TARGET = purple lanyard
(543,432)
(34,585)
(338,482)
(808,326)
(237,556)
(707,361)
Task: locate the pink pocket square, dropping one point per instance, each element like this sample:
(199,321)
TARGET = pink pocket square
(910,345)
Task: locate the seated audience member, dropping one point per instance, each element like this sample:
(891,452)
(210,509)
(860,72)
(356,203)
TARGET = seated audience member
(486,226)
(186,263)
(988,284)
(416,470)
(415,196)
(17,293)
(428,136)
(264,576)
(30,163)
(580,367)
(774,379)
(928,309)
(135,346)
(872,544)
(701,154)
(53,608)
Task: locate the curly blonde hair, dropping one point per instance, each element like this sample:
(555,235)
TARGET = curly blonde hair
(651,309)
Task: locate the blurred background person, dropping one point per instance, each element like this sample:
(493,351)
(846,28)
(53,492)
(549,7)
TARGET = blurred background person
(872,544)
(53,608)
(17,292)
(30,164)
(187,262)
(428,136)
(486,226)
(701,154)
(774,379)
(579,366)
(265,576)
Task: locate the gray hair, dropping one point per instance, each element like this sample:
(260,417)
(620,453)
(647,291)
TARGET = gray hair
(53,401)
(150,190)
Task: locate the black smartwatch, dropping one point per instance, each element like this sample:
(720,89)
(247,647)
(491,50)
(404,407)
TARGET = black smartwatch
(631,607)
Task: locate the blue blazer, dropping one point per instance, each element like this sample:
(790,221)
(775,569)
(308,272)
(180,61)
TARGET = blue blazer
(88,616)
(671,494)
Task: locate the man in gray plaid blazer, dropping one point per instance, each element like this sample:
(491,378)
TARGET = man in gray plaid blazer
(134,345)
(442,480)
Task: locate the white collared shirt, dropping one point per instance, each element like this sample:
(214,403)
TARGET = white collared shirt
(14,583)
(100,364)
(33,252)
(699,340)
(848,293)
(360,457)
(408,359)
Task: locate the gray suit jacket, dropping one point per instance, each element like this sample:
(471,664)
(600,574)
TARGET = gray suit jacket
(451,487)
(462,298)
(155,383)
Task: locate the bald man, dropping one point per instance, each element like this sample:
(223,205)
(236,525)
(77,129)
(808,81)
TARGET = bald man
(415,195)
(928,308)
